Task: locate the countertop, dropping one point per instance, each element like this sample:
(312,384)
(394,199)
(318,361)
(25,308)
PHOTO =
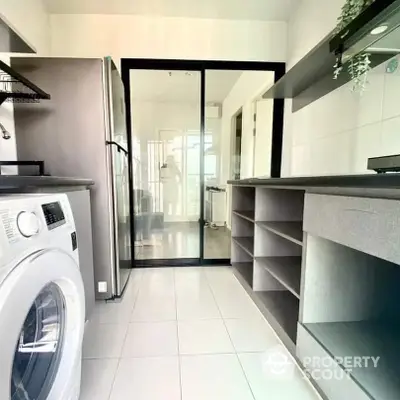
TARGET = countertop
(17,182)
(367,181)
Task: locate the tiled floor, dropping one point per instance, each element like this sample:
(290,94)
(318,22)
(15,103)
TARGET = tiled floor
(184,334)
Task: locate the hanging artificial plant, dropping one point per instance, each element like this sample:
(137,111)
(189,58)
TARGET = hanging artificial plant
(359,65)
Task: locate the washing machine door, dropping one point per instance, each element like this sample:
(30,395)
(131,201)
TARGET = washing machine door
(42,314)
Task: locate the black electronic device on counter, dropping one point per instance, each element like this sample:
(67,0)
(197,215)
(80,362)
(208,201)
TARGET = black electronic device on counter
(384,164)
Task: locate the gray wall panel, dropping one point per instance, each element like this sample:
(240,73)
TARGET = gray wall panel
(68,133)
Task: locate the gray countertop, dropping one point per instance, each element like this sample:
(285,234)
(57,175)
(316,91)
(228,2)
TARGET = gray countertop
(17,182)
(368,181)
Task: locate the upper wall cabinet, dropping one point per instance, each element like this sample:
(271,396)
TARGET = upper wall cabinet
(11,41)
(376,31)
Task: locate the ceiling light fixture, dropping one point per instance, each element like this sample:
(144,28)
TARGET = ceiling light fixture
(380,29)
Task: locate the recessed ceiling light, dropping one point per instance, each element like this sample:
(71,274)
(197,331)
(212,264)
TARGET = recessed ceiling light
(380,29)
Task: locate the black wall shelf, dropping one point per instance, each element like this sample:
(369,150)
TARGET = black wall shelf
(312,77)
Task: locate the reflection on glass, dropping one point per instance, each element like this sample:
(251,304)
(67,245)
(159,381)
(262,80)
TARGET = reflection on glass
(237,142)
(166,128)
(121,176)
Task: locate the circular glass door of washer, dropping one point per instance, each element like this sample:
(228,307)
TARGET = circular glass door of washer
(39,347)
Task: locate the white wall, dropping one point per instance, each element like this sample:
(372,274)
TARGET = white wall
(337,133)
(249,86)
(94,35)
(32,22)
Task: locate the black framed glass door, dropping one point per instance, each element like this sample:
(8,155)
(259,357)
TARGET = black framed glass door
(180,123)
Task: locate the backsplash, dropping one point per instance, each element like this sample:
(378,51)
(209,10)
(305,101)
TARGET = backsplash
(339,132)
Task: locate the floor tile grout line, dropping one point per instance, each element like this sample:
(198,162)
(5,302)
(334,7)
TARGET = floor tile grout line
(213,294)
(177,337)
(174,355)
(230,338)
(119,361)
(114,379)
(136,296)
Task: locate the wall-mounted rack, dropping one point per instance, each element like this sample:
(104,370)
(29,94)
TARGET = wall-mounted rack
(17,89)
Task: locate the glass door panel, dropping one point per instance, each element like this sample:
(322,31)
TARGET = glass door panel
(217,158)
(165,110)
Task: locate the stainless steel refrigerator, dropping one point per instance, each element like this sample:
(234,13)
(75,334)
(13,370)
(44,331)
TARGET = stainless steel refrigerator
(81,132)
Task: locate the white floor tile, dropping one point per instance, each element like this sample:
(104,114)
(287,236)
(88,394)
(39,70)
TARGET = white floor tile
(231,298)
(213,377)
(251,335)
(112,313)
(97,378)
(104,340)
(156,308)
(147,379)
(158,282)
(151,339)
(222,277)
(203,308)
(134,283)
(189,279)
(238,305)
(265,384)
(204,337)
(147,348)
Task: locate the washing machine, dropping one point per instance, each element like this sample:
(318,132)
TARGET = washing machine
(42,302)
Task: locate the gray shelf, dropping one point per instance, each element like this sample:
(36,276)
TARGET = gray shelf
(292,231)
(286,270)
(360,339)
(245,269)
(248,215)
(284,309)
(246,243)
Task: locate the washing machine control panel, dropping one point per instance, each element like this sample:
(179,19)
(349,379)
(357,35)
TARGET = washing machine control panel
(28,223)
(53,214)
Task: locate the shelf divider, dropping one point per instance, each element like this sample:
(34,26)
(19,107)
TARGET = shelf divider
(290,230)
(286,270)
(247,215)
(246,243)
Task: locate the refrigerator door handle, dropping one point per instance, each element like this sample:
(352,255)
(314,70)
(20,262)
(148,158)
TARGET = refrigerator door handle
(119,147)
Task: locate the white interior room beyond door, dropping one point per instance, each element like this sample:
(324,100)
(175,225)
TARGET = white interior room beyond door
(165,109)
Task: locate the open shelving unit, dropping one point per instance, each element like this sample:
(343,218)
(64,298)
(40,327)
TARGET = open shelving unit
(292,230)
(324,269)
(353,312)
(267,238)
